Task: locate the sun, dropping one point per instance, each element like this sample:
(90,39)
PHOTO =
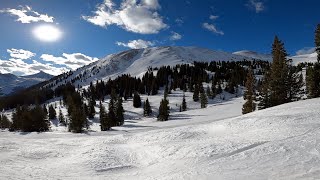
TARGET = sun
(47,33)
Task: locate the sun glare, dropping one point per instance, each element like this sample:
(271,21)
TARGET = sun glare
(47,33)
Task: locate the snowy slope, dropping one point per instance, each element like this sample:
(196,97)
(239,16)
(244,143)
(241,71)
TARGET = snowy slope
(255,55)
(304,58)
(278,143)
(137,61)
(10,83)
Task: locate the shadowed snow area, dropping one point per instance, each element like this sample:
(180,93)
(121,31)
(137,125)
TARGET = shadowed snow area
(278,143)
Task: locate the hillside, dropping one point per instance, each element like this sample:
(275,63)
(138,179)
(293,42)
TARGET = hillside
(276,143)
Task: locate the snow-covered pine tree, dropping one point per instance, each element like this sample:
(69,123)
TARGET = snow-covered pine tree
(105,123)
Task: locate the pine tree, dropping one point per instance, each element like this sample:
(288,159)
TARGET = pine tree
(40,121)
(119,112)
(77,118)
(317,42)
(76,113)
(147,108)
(184,103)
(111,114)
(281,84)
(4,122)
(295,85)
(219,89)
(164,110)
(264,97)
(16,119)
(136,100)
(279,74)
(203,100)
(196,93)
(209,94)
(249,94)
(45,109)
(91,110)
(105,123)
(61,118)
(213,90)
(52,112)
(313,80)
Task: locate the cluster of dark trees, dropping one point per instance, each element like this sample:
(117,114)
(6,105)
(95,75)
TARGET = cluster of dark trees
(5,123)
(114,116)
(313,70)
(283,82)
(28,119)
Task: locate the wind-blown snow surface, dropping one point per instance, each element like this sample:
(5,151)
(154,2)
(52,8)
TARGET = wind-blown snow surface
(277,143)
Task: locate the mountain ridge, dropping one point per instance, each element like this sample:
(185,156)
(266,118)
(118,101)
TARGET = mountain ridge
(10,83)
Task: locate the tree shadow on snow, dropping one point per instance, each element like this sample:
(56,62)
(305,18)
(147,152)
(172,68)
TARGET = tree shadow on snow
(134,126)
(182,117)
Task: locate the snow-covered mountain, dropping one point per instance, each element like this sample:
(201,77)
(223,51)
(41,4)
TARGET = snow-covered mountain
(10,83)
(255,55)
(137,61)
(304,58)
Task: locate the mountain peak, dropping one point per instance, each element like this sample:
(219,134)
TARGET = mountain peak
(39,75)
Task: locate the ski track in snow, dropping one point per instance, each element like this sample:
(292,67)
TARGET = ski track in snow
(214,143)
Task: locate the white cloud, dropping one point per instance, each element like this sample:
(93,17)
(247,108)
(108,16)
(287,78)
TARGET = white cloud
(52,65)
(212,28)
(256,5)
(175,36)
(132,16)
(26,15)
(20,53)
(306,50)
(70,61)
(136,44)
(212,17)
(19,67)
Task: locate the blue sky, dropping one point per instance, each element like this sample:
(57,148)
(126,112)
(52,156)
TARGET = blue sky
(91,29)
